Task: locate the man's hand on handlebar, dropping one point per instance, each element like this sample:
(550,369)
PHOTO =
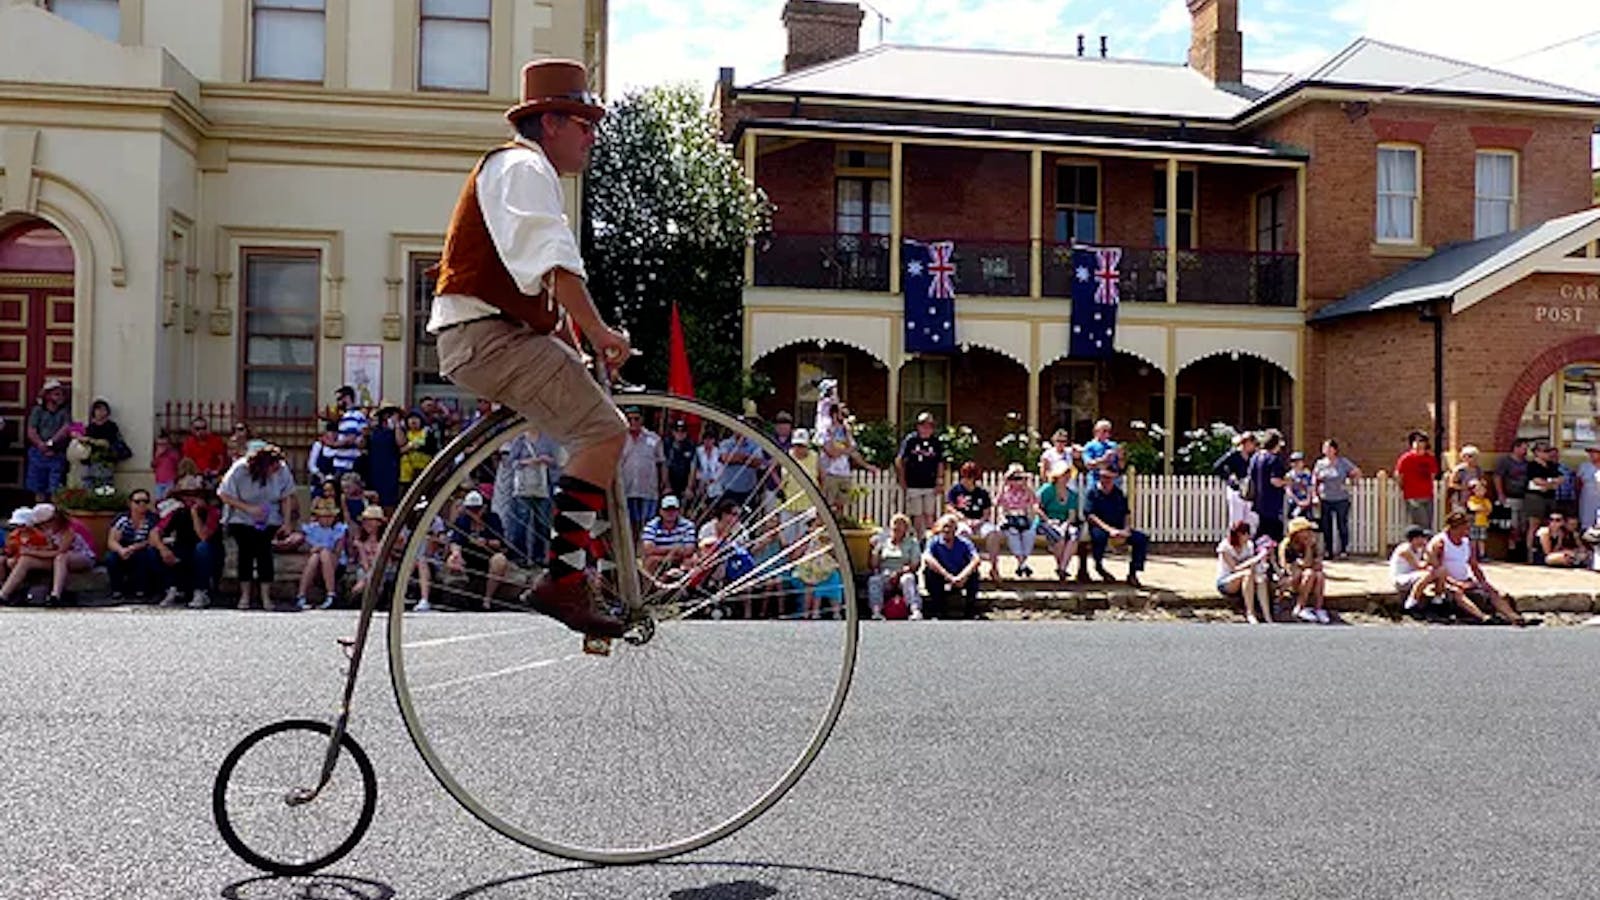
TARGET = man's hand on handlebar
(612,345)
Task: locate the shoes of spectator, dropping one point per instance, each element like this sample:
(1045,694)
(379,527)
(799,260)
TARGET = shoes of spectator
(139,595)
(301,603)
(916,615)
(52,600)
(1083,575)
(1306,615)
(327,601)
(200,600)
(116,595)
(877,615)
(172,598)
(1133,579)
(1104,575)
(571,602)
(1322,617)
(422,606)
(244,600)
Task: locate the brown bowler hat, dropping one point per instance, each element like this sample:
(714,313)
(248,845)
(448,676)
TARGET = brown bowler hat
(558,86)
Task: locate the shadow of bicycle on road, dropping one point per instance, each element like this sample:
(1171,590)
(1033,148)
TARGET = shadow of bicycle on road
(708,880)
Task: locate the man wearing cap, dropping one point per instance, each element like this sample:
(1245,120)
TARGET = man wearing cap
(668,538)
(679,451)
(510,274)
(921,469)
(48,422)
(477,548)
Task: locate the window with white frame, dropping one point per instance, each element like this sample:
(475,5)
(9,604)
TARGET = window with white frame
(288,40)
(1495,209)
(453,41)
(1399,194)
(282,302)
(103,17)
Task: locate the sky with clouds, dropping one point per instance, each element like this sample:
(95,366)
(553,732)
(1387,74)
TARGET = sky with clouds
(655,41)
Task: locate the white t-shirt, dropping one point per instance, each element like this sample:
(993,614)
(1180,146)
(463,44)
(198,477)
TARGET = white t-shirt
(838,465)
(1400,564)
(1051,456)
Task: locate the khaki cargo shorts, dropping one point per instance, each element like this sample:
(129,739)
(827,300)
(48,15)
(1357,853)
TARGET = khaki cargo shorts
(537,375)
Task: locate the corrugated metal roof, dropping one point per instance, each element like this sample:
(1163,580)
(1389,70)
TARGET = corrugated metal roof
(1141,88)
(1456,267)
(1029,80)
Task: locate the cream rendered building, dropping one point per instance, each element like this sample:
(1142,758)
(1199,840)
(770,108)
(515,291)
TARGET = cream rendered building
(229,201)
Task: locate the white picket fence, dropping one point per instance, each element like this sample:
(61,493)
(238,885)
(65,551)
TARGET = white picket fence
(1188,509)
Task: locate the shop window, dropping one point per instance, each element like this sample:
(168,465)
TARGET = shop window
(453,40)
(810,369)
(925,387)
(1399,194)
(103,17)
(1077,204)
(282,302)
(1186,204)
(1495,205)
(288,40)
(1565,410)
(423,359)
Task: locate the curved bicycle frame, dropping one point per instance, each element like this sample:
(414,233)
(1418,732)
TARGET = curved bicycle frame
(439,469)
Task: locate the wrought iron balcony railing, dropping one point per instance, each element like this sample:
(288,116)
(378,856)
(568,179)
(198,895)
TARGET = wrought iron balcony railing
(849,262)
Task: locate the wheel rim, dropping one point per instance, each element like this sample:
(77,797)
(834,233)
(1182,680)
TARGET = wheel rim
(256,822)
(671,761)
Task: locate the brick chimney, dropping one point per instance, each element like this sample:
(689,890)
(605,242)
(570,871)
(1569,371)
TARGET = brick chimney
(819,31)
(1216,47)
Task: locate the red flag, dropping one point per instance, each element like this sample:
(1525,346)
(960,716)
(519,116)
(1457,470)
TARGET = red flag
(680,381)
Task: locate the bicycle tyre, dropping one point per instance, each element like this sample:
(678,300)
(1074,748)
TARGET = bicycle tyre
(264,860)
(429,497)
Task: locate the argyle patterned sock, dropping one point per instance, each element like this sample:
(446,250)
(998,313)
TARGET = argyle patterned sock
(578,504)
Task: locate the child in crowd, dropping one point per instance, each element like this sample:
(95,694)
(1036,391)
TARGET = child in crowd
(1301,488)
(1408,567)
(417,448)
(189,477)
(367,544)
(1479,504)
(164,462)
(325,540)
(20,533)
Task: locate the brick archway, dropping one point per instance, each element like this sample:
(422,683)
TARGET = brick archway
(1543,366)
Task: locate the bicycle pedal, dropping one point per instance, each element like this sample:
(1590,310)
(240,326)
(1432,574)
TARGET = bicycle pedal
(596,646)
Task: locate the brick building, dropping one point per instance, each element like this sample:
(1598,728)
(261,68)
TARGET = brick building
(1260,216)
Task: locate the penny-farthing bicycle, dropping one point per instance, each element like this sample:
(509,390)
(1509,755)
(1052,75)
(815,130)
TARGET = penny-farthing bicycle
(731,676)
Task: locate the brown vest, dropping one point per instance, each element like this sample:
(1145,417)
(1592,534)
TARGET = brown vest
(471,265)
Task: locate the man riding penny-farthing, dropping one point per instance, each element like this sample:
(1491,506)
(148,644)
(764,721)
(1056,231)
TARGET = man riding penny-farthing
(677,736)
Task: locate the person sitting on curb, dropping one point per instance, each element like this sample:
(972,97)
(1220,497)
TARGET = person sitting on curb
(325,537)
(1452,554)
(1422,586)
(896,558)
(1558,545)
(186,539)
(1300,555)
(1242,573)
(1058,521)
(1108,515)
(669,539)
(950,567)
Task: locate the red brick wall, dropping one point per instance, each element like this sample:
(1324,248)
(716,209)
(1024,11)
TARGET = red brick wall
(972,194)
(864,388)
(1377,387)
(1342,178)
(799,181)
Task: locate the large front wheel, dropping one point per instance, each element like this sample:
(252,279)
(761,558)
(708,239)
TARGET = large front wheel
(738,666)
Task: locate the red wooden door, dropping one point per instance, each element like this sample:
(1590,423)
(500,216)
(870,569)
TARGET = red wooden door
(36,326)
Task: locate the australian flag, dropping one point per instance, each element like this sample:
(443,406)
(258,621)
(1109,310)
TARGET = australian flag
(1095,296)
(929,281)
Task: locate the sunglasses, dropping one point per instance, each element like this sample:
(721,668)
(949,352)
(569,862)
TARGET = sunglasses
(142,501)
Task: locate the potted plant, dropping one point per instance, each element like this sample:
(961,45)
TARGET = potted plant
(1019,443)
(858,531)
(96,507)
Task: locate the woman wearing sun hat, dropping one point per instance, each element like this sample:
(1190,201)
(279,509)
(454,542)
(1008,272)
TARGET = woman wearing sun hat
(1300,555)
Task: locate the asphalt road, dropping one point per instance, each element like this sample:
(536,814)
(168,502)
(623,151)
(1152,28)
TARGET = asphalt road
(974,760)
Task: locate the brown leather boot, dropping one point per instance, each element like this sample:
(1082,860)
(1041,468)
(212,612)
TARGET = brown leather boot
(571,602)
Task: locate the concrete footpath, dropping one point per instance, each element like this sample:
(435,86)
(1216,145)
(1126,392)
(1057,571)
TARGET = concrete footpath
(1186,579)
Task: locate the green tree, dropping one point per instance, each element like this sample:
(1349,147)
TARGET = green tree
(668,213)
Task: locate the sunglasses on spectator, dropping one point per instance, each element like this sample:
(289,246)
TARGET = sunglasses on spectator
(139,500)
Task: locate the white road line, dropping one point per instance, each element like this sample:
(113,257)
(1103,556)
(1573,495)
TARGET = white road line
(481,676)
(461,638)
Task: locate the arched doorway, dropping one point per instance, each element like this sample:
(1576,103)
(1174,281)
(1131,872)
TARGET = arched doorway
(36,323)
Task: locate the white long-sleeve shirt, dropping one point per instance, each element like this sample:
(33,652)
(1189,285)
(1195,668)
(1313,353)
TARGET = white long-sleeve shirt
(519,192)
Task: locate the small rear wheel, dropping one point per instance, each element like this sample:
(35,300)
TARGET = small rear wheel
(259,798)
